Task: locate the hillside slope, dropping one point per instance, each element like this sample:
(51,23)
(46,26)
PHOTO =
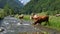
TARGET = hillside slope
(15,4)
(37,6)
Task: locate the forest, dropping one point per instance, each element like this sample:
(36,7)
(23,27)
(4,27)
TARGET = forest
(51,7)
(37,6)
(9,7)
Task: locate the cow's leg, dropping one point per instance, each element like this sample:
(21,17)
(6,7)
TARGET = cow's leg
(21,21)
(47,22)
(36,21)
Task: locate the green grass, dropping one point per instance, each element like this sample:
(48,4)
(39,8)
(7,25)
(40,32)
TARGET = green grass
(26,17)
(53,20)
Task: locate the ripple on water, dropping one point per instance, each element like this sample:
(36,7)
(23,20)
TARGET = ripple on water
(22,24)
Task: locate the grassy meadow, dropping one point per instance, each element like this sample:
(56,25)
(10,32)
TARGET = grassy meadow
(53,20)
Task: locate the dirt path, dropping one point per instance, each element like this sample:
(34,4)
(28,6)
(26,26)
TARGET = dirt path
(49,30)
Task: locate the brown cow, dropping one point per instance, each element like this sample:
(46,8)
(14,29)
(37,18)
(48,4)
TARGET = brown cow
(40,19)
(21,18)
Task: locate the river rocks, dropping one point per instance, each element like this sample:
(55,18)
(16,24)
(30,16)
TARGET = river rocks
(12,25)
(1,30)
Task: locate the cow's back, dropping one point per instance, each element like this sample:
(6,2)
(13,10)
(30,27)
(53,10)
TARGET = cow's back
(42,18)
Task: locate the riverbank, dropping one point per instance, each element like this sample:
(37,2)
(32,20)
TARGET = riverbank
(53,20)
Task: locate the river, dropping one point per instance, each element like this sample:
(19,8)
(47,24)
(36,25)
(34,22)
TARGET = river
(0,22)
(12,26)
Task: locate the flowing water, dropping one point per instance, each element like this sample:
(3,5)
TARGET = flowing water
(12,25)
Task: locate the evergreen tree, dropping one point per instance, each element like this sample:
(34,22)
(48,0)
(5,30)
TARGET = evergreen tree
(38,6)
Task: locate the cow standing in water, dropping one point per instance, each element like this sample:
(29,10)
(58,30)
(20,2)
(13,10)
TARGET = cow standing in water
(21,18)
(39,19)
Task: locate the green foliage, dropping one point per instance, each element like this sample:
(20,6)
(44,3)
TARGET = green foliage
(38,6)
(26,17)
(16,16)
(8,10)
(2,13)
(14,5)
(55,22)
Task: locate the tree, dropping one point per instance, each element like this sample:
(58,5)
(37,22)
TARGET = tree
(38,6)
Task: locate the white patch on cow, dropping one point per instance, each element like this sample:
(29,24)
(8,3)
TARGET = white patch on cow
(35,16)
